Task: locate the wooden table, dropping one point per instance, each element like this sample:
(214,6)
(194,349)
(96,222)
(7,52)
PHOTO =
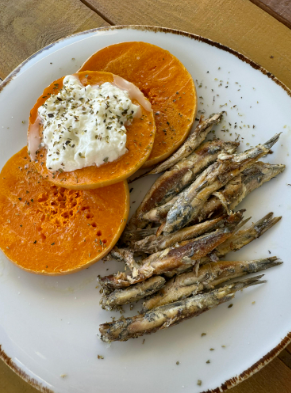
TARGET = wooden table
(259,29)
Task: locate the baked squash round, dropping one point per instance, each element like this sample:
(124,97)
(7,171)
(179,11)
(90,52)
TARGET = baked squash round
(51,230)
(164,81)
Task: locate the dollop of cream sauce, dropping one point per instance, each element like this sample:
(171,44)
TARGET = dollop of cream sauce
(85,126)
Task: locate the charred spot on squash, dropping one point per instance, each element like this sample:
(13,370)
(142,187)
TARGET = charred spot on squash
(52,230)
(140,139)
(163,80)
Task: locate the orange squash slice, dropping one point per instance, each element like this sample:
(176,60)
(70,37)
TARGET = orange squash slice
(50,230)
(164,81)
(140,139)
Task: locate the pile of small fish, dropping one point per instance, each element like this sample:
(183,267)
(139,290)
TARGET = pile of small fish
(174,244)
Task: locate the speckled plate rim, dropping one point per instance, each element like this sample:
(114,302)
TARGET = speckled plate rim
(230,383)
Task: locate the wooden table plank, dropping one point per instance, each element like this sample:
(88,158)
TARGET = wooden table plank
(233,23)
(285,357)
(274,378)
(279,9)
(11,383)
(27,26)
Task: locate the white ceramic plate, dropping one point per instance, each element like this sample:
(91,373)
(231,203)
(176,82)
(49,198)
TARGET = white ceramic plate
(49,325)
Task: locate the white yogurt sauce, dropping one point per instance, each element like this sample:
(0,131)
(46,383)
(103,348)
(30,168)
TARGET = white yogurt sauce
(84,126)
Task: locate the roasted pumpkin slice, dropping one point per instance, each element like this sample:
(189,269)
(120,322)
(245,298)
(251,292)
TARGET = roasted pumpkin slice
(51,230)
(139,142)
(164,81)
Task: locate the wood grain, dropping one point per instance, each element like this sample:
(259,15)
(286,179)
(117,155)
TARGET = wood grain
(279,9)
(285,357)
(274,378)
(27,26)
(238,24)
(11,383)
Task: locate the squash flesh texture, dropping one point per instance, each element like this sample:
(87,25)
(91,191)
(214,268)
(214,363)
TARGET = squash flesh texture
(52,230)
(160,76)
(140,140)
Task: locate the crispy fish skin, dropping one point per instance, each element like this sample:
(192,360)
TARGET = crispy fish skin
(132,294)
(159,214)
(171,258)
(236,241)
(191,143)
(233,192)
(124,255)
(255,176)
(208,276)
(240,187)
(154,243)
(172,314)
(213,206)
(245,236)
(164,261)
(180,175)
(185,171)
(217,175)
(129,236)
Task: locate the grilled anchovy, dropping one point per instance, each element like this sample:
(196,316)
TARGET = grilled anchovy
(124,255)
(133,293)
(171,258)
(180,175)
(191,143)
(185,171)
(164,187)
(235,242)
(237,189)
(255,176)
(217,175)
(163,261)
(208,276)
(233,193)
(172,314)
(130,236)
(245,236)
(159,213)
(155,243)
